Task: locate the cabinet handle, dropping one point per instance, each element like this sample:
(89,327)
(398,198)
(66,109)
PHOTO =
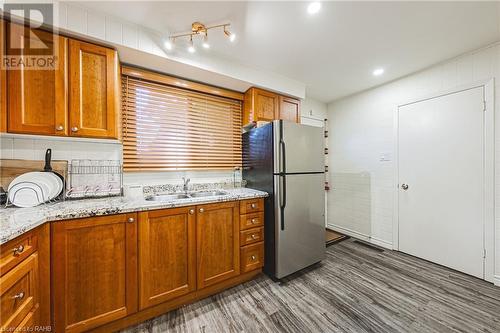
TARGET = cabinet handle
(253,257)
(74,129)
(253,206)
(18,250)
(253,221)
(131,220)
(201,210)
(253,236)
(19,296)
(60,127)
(191,211)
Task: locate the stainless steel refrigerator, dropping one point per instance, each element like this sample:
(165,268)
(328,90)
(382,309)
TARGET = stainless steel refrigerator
(286,160)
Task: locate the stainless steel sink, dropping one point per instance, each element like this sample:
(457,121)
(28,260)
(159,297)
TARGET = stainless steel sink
(178,196)
(207,194)
(168,197)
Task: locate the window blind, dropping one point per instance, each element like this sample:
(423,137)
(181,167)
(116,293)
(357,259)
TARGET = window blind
(170,128)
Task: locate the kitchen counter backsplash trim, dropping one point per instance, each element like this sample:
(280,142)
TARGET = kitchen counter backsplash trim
(17,221)
(151,190)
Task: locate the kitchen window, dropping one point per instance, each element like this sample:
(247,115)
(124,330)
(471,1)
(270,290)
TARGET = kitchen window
(170,128)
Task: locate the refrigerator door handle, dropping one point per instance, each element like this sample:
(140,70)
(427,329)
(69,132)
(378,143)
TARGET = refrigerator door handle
(282,195)
(283,156)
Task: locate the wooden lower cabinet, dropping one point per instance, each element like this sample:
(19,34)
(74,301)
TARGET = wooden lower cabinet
(114,271)
(218,242)
(25,282)
(94,271)
(167,255)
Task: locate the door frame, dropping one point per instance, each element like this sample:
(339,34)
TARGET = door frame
(489,171)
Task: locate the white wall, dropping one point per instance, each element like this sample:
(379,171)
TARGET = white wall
(361,144)
(313,112)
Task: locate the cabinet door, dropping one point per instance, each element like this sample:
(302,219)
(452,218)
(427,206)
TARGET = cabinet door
(94,271)
(37,99)
(266,105)
(167,255)
(94,92)
(290,109)
(218,242)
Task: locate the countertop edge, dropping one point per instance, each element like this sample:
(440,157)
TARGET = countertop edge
(121,205)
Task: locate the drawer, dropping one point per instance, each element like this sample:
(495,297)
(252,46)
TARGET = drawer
(16,251)
(252,205)
(19,293)
(248,221)
(28,323)
(252,257)
(251,236)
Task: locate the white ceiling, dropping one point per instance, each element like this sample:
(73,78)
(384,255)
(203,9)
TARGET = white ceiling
(333,52)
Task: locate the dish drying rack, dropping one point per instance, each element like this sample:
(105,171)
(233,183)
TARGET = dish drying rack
(94,179)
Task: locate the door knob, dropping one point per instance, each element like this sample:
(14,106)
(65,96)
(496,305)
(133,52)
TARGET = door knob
(131,220)
(74,129)
(60,127)
(201,210)
(404,186)
(191,211)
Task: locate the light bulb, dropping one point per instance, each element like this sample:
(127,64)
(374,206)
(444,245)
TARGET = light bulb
(205,42)
(191,48)
(232,37)
(169,45)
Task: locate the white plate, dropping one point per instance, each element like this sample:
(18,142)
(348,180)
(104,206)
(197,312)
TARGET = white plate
(27,194)
(53,184)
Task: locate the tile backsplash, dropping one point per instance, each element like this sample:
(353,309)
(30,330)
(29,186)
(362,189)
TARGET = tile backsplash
(33,147)
(27,147)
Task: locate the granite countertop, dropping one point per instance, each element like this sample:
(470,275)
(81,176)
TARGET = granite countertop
(16,221)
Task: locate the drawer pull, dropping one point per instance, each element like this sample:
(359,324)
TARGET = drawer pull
(253,221)
(131,220)
(253,257)
(253,206)
(18,250)
(74,129)
(254,236)
(191,211)
(60,127)
(19,296)
(201,210)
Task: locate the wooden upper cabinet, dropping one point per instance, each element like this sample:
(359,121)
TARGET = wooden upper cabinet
(37,102)
(94,271)
(218,242)
(167,255)
(289,109)
(3,80)
(94,90)
(262,105)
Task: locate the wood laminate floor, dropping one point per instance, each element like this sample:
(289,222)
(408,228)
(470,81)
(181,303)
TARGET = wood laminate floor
(356,289)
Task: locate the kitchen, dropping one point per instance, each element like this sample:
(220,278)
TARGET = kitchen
(161,174)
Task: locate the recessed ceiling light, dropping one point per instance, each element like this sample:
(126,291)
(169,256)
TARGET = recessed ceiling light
(378,72)
(314,7)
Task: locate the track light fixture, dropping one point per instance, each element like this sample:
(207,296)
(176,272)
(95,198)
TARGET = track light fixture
(199,29)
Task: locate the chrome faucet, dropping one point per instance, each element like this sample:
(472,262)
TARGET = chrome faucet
(186,184)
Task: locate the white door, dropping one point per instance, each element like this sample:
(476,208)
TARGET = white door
(441,184)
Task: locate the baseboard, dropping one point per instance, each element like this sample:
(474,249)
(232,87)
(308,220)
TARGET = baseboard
(361,236)
(496,280)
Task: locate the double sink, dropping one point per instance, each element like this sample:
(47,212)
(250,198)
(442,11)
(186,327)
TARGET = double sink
(178,196)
